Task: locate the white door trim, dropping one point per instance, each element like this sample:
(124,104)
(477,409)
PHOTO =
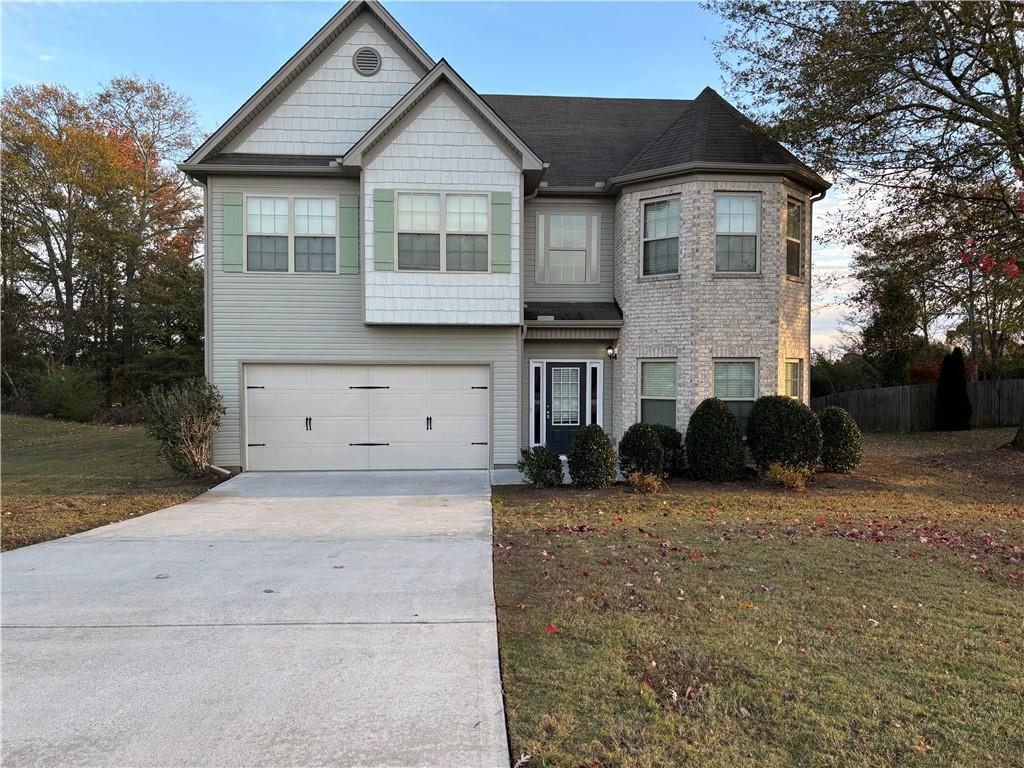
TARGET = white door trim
(592,364)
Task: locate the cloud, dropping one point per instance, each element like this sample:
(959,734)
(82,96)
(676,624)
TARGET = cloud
(46,57)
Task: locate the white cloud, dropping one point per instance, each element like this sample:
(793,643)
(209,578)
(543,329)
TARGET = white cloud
(46,57)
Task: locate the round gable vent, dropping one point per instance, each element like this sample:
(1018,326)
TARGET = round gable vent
(366,61)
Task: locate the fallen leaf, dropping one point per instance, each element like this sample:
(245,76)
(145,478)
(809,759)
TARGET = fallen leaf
(551,629)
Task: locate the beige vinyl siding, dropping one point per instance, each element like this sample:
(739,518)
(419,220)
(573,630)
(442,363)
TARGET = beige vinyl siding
(602,291)
(308,317)
(554,351)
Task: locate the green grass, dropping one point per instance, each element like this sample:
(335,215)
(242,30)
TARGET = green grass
(61,478)
(876,619)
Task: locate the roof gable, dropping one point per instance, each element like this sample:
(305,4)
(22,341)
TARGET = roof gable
(257,104)
(442,73)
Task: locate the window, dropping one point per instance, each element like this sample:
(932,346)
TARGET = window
(419,232)
(567,249)
(455,241)
(736,384)
(466,241)
(285,234)
(736,233)
(794,378)
(658,393)
(565,397)
(661,237)
(315,230)
(795,238)
(266,234)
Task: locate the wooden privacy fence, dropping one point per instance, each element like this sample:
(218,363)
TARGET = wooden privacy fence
(912,408)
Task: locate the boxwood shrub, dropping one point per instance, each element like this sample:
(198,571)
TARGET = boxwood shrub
(840,440)
(541,467)
(640,451)
(714,449)
(783,431)
(671,448)
(591,458)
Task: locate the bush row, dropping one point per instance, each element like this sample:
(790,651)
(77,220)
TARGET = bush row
(787,441)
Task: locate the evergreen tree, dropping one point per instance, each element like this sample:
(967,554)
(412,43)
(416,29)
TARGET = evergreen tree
(952,405)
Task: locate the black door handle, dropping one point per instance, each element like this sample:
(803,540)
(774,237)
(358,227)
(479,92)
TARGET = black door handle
(309,423)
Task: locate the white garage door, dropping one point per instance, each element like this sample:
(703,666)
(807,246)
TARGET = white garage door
(301,417)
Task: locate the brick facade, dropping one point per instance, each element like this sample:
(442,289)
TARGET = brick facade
(696,316)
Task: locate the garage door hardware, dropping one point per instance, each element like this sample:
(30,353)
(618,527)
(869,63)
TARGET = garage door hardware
(369,386)
(430,423)
(254,387)
(256,445)
(309,423)
(478,443)
(368,444)
(478,387)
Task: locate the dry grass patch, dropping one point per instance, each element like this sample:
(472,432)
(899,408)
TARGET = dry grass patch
(61,478)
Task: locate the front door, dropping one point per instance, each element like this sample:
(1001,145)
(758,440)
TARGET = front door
(567,391)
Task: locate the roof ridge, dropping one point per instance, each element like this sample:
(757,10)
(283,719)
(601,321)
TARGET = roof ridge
(690,104)
(593,98)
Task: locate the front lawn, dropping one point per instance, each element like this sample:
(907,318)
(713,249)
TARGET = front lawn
(877,619)
(61,478)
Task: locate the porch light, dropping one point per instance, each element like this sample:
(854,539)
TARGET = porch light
(612,352)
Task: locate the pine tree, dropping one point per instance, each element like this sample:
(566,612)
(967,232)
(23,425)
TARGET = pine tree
(952,405)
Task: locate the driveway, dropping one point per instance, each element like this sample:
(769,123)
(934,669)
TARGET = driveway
(321,618)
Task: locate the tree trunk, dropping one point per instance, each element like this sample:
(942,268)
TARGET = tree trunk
(1018,440)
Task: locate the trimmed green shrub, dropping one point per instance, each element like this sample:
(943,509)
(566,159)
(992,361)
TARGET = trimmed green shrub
(671,448)
(952,405)
(541,467)
(640,451)
(65,392)
(591,458)
(783,431)
(184,418)
(714,449)
(840,440)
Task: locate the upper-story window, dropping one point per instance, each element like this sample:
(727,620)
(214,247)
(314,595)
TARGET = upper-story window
(795,258)
(464,245)
(567,248)
(736,233)
(661,236)
(290,234)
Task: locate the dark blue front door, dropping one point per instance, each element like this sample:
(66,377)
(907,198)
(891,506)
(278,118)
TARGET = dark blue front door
(567,390)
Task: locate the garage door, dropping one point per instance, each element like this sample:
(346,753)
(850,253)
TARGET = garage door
(301,417)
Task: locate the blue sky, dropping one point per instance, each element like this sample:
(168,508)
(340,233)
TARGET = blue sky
(220,53)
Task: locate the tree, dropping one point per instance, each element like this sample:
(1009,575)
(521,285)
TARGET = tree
(888,336)
(952,405)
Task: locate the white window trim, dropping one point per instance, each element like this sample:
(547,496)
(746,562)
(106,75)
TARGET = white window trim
(799,377)
(803,238)
(291,232)
(644,240)
(756,234)
(640,383)
(443,231)
(591,264)
(757,378)
(536,440)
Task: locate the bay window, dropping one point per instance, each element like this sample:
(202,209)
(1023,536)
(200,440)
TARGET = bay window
(736,384)
(661,237)
(736,233)
(795,238)
(658,392)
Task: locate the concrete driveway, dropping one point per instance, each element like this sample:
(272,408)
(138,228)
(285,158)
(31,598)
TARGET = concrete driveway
(341,619)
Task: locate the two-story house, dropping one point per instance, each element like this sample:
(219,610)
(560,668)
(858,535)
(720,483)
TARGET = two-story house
(404,273)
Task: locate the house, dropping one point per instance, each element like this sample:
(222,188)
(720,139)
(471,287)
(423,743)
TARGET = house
(404,273)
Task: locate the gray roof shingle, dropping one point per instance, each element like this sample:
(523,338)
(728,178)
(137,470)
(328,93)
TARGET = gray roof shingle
(574,311)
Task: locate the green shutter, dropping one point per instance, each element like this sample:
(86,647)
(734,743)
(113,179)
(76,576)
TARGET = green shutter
(383,229)
(501,232)
(348,229)
(232,206)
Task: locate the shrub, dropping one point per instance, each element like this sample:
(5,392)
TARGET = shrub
(541,467)
(784,431)
(952,405)
(591,458)
(640,451)
(671,448)
(714,450)
(794,478)
(184,419)
(643,482)
(840,440)
(65,392)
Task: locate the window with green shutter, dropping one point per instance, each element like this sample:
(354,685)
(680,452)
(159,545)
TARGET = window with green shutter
(658,392)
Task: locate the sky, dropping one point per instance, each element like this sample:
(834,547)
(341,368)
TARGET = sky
(220,53)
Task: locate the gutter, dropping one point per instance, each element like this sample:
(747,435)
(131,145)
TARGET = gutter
(207,169)
(574,323)
(806,177)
